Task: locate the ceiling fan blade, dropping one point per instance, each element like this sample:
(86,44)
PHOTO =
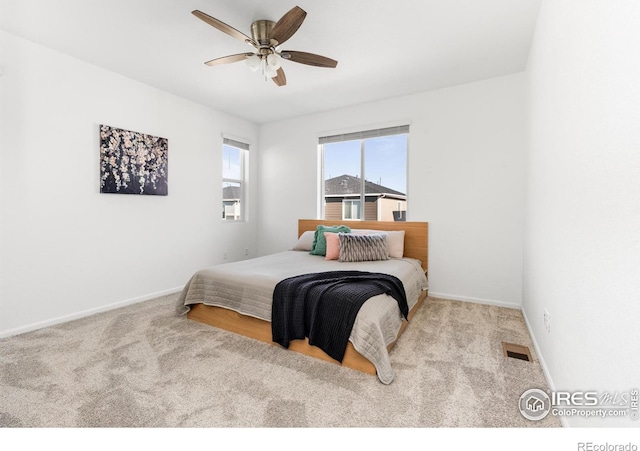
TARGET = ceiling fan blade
(287,25)
(280,79)
(229,59)
(308,58)
(223,27)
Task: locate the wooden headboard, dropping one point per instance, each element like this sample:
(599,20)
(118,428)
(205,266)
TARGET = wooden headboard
(416,234)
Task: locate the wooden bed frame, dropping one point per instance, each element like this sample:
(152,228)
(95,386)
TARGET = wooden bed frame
(415,246)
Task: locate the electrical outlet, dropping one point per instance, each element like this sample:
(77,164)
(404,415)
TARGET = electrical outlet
(224,255)
(246,251)
(547,320)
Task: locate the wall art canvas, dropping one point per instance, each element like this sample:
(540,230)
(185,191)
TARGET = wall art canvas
(132,162)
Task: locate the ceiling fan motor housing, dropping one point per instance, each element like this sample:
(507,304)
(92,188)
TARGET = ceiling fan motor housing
(261,32)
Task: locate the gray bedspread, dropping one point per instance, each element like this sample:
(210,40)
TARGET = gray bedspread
(247,287)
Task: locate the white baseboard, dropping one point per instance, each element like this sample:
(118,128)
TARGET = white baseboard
(543,364)
(85,313)
(454,297)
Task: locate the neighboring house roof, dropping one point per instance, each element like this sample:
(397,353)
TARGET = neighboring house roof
(349,185)
(231,193)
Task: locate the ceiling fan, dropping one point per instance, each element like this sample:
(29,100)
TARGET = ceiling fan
(266,37)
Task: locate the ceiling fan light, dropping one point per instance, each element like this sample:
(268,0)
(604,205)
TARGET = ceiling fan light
(274,61)
(253,62)
(270,71)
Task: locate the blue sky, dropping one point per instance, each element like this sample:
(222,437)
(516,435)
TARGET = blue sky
(385,160)
(231,163)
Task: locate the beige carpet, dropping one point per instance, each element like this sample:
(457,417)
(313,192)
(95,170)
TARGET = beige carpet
(143,366)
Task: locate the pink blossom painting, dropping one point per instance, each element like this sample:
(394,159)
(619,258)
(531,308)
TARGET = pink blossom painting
(132,162)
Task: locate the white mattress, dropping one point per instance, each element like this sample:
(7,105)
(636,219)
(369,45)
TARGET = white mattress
(247,288)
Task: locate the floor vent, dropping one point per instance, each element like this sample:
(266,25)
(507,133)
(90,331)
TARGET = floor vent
(516,351)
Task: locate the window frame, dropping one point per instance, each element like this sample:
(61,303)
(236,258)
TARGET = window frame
(243,149)
(362,136)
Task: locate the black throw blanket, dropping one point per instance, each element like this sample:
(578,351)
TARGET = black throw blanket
(323,306)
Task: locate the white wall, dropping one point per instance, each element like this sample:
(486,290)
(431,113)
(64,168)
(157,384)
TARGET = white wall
(465,177)
(68,250)
(582,239)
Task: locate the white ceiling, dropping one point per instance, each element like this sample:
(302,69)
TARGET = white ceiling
(383,48)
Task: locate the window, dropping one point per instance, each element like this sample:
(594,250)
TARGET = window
(233,170)
(364,175)
(351,209)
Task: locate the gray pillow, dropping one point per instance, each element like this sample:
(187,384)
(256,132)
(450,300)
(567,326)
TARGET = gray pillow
(363,248)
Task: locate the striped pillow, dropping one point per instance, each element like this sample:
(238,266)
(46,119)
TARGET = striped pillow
(363,248)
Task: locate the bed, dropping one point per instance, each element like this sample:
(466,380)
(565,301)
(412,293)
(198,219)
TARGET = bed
(238,296)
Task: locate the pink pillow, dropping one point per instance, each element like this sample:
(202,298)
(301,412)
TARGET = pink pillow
(333,246)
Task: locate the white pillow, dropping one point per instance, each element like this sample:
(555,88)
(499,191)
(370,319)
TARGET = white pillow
(305,242)
(395,240)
